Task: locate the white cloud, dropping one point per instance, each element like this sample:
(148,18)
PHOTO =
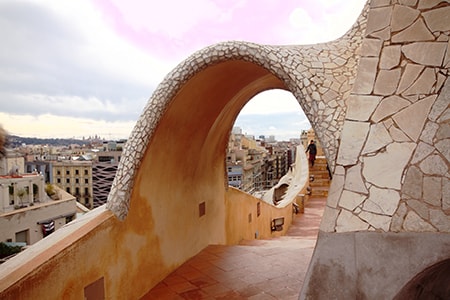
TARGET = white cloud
(51,126)
(271,102)
(169,17)
(300,19)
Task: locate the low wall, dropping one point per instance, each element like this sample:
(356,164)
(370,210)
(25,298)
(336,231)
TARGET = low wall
(243,222)
(371,265)
(121,259)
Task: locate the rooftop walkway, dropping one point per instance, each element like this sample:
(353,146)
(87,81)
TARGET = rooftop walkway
(257,269)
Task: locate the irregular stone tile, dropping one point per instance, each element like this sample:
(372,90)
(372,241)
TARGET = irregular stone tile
(348,222)
(387,82)
(445,193)
(443,146)
(378,138)
(416,32)
(434,165)
(411,73)
(422,151)
(402,17)
(408,2)
(441,103)
(360,107)
(429,132)
(353,137)
(382,201)
(328,223)
(425,53)
(424,4)
(379,3)
(440,81)
(412,119)
(441,14)
(386,168)
(398,135)
(366,75)
(335,191)
(371,47)
(447,57)
(432,190)
(440,220)
(388,107)
(419,207)
(414,223)
(424,84)
(350,200)
(390,57)
(443,132)
(376,221)
(398,217)
(378,19)
(354,181)
(384,34)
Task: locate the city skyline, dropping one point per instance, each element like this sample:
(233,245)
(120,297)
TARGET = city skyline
(73,69)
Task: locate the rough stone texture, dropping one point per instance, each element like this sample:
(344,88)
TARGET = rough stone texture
(353,138)
(386,168)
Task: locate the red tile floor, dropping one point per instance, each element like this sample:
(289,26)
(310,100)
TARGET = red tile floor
(258,269)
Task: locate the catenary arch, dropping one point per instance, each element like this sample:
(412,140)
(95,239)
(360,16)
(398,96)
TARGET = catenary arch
(190,114)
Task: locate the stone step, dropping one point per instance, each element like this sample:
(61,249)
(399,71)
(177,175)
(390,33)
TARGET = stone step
(318,192)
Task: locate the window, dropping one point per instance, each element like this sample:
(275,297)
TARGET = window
(68,190)
(86,180)
(58,180)
(69,218)
(22,236)
(68,172)
(67,180)
(58,172)
(77,180)
(86,191)
(86,172)
(77,172)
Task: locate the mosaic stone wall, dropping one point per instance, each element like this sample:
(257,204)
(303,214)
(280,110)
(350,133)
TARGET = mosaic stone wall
(392,169)
(378,99)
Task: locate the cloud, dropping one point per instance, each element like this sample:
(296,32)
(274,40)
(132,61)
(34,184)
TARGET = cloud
(51,126)
(274,112)
(64,61)
(99,61)
(271,102)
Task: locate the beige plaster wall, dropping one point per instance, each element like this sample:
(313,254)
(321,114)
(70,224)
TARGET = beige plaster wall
(243,222)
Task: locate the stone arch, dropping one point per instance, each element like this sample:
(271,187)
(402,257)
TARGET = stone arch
(319,76)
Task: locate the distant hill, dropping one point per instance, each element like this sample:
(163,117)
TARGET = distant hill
(14,141)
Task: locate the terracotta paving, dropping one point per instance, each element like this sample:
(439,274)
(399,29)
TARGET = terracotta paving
(258,269)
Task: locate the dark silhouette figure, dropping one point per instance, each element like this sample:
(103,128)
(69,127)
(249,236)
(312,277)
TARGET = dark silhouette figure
(312,149)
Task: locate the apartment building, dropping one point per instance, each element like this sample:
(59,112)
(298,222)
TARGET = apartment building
(75,178)
(27,213)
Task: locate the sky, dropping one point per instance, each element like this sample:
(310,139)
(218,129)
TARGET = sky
(88,67)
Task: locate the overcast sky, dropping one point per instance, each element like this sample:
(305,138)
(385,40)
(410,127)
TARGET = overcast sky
(86,67)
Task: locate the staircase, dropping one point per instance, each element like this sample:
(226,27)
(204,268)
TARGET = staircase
(258,269)
(319,178)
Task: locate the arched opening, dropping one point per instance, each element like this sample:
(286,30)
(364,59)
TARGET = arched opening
(181,188)
(431,283)
(262,145)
